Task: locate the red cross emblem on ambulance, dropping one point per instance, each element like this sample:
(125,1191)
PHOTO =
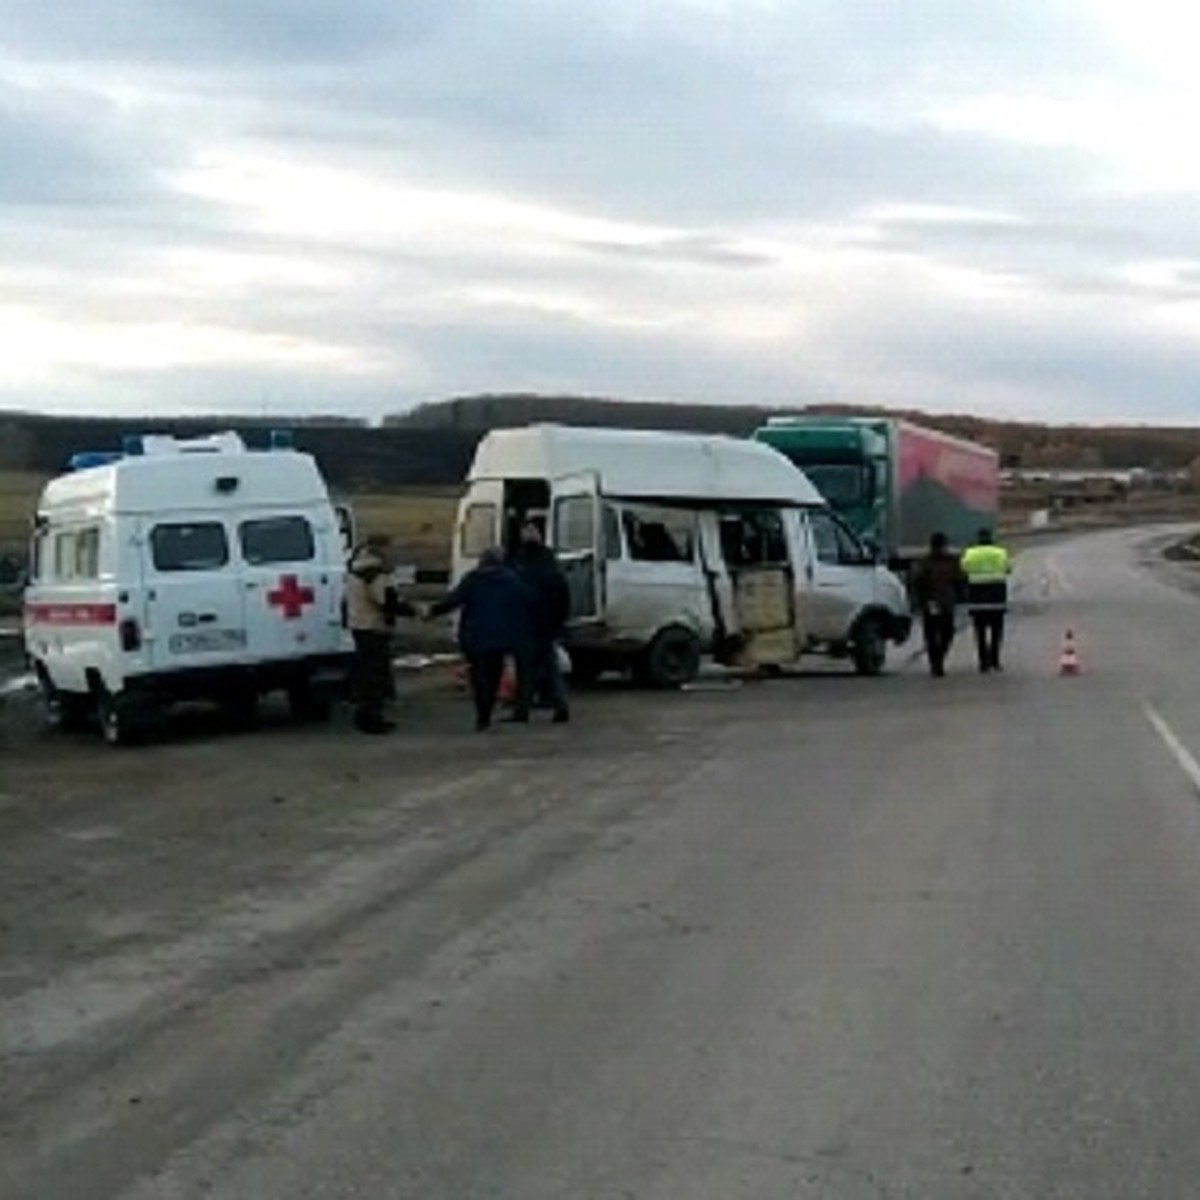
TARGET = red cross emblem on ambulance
(290,597)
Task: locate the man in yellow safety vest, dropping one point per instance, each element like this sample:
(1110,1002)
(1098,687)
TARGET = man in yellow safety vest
(987,567)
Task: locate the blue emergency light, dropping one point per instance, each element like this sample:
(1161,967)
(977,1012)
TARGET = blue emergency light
(281,439)
(92,458)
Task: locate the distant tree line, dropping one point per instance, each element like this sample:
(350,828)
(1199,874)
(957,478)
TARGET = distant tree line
(432,445)
(353,456)
(1019,443)
(479,413)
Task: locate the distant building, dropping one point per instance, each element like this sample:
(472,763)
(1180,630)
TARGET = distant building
(1064,475)
(1063,487)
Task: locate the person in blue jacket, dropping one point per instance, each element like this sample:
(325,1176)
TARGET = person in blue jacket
(536,565)
(495,622)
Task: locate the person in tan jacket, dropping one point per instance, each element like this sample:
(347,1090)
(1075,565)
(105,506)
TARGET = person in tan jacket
(372,607)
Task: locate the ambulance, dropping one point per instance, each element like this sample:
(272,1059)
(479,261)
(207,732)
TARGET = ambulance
(185,569)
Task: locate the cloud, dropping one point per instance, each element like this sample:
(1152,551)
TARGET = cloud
(59,148)
(699,248)
(229,34)
(804,111)
(368,204)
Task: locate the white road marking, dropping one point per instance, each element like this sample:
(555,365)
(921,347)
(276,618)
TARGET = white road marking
(1182,755)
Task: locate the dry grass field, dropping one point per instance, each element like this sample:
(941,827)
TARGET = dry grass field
(419,522)
(18,494)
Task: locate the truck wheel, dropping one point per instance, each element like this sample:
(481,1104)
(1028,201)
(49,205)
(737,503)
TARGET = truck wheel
(309,704)
(671,660)
(870,647)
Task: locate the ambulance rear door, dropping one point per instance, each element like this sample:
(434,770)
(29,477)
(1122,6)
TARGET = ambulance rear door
(292,586)
(195,604)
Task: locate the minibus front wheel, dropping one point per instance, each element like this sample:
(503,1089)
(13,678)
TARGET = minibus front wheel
(671,660)
(869,646)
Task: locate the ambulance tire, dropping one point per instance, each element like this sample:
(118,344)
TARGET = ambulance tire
(309,704)
(122,723)
(671,660)
(67,712)
(74,712)
(240,710)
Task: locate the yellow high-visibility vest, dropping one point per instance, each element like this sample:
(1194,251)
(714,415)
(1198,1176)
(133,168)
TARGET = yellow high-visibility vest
(986,564)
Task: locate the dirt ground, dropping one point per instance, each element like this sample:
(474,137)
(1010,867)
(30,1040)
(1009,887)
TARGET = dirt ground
(208,816)
(182,926)
(133,883)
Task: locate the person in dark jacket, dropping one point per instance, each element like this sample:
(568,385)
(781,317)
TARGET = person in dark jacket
(537,566)
(938,582)
(495,622)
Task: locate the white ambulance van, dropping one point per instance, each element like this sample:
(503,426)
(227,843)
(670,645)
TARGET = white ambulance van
(183,570)
(676,545)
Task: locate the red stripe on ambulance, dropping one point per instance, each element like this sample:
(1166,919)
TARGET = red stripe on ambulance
(71,614)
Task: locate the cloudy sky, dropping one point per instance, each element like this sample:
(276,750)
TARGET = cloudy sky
(357,205)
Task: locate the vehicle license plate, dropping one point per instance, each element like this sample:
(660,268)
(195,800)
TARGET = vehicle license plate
(208,641)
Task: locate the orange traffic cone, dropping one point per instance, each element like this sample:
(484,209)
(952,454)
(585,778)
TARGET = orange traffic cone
(1068,660)
(507,692)
(508,683)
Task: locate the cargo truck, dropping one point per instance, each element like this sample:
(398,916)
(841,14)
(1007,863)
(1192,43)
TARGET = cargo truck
(893,482)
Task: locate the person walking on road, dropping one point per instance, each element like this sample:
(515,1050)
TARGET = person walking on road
(372,607)
(938,583)
(537,566)
(495,622)
(987,567)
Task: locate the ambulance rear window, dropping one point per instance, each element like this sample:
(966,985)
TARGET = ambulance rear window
(189,547)
(277,540)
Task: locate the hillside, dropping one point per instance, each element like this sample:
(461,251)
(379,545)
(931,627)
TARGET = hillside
(353,455)
(1020,443)
(431,447)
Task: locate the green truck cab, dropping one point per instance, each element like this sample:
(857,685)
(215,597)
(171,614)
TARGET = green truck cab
(894,483)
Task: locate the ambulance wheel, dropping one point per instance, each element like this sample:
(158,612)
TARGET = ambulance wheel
(670,661)
(119,723)
(72,712)
(240,711)
(309,704)
(870,647)
(67,712)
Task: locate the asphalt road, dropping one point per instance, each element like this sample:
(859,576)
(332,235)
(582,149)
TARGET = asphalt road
(821,937)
